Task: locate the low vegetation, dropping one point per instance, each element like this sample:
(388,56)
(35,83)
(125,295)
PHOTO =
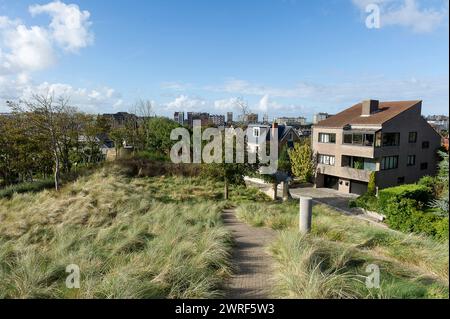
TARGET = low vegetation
(331,261)
(156,237)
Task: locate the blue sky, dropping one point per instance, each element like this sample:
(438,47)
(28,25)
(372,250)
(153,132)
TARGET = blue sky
(284,57)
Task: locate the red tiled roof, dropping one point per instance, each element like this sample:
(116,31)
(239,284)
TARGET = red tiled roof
(352,115)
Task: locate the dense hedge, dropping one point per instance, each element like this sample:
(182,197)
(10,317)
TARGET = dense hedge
(404,215)
(405,208)
(26,187)
(420,193)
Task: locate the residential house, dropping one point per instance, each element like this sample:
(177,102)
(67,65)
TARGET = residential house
(287,135)
(391,139)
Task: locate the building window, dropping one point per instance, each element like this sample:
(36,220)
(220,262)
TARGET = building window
(348,138)
(326,159)
(391,139)
(365,139)
(412,137)
(389,162)
(411,160)
(401,180)
(368,139)
(425,144)
(423,166)
(327,138)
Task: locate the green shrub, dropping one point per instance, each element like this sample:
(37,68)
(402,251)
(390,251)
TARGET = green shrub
(371,187)
(366,201)
(420,193)
(26,187)
(441,227)
(405,216)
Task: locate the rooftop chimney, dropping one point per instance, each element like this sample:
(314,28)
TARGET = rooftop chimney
(369,107)
(274,126)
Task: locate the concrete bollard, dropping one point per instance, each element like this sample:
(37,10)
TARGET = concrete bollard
(305,215)
(285,191)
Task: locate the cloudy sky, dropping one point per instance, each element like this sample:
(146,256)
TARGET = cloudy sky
(284,57)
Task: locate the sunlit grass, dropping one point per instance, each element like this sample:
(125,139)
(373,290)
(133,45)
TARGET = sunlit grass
(156,237)
(331,261)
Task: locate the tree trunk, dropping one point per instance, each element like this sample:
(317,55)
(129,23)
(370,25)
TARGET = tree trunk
(57,173)
(225,195)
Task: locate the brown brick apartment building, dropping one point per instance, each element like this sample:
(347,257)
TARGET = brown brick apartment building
(388,138)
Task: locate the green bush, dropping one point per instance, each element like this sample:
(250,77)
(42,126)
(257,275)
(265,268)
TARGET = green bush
(441,227)
(371,187)
(366,201)
(432,183)
(26,187)
(420,193)
(405,216)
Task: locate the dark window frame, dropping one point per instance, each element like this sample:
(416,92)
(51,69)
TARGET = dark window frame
(414,139)
(394,142)
(389,162)
(367,139)
(411,163)
(425,144)
(423,166)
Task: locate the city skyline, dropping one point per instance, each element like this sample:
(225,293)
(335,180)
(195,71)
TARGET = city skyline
(285,58)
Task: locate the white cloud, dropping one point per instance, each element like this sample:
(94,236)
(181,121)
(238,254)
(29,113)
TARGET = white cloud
(29,49)
(98,100)
(266,104)
(184,102)
(25,50)
(226,104)
(69,25)
(413,14)
(176,86)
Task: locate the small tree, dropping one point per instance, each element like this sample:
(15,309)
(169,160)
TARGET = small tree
(371,186)
(442,203)
(302,161)
(284,163)
(47,115)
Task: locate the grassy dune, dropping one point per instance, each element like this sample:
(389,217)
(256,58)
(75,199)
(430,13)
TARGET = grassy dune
(132,238)
(331,261)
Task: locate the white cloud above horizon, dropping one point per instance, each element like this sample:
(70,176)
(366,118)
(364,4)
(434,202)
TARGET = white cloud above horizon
(25,50)
(307,98)
(416,15)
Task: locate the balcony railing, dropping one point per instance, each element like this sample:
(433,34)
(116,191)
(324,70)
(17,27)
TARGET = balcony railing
(345,172)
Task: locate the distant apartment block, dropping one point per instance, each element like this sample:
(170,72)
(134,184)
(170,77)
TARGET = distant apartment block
(217,120)
(229,117)
(250,118)
(297,121)
(320,117)
(202,117)
(438,122)
(178,117)
(120,119)
(391,139)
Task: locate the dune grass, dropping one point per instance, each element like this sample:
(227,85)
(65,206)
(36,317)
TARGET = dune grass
(331,261)
(159,237)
